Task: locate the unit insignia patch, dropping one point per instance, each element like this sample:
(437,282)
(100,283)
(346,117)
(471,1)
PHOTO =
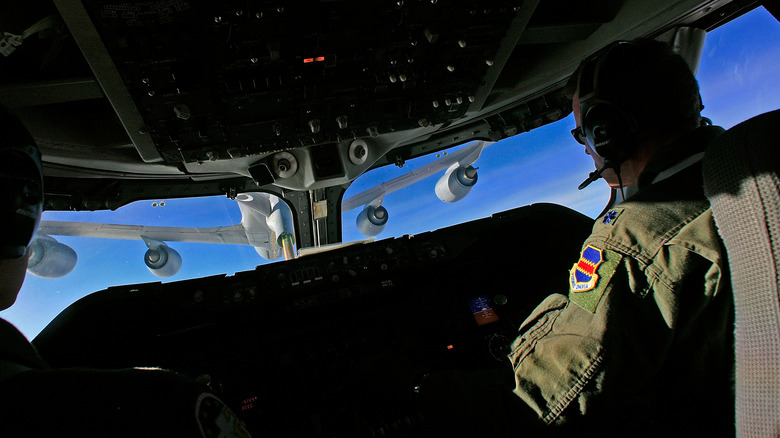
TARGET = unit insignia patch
(589,278)
(582,276)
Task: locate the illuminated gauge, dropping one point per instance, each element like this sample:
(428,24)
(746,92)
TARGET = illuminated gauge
(498,345)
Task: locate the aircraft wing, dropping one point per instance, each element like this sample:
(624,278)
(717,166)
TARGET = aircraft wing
(232,235)
(465,156)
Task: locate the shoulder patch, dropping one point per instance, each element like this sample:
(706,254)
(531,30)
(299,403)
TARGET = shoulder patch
(583,276)
(588,278)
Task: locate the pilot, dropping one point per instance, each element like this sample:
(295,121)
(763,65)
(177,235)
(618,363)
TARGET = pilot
(642,343)
(37,400)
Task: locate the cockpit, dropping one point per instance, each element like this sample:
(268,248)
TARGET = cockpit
(318,275)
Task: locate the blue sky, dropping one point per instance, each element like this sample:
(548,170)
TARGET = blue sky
(738,76)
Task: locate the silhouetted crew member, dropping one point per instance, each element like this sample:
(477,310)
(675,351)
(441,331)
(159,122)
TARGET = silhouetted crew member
(36,400)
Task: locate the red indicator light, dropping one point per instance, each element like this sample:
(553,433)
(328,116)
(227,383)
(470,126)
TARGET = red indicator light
(319,58)
(248,403)
(450,347)
(308,60)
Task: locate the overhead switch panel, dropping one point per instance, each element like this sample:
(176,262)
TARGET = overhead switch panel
(259,76)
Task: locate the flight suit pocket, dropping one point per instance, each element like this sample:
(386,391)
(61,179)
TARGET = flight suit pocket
(536,326)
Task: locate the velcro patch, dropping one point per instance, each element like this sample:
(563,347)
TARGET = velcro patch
(589,277)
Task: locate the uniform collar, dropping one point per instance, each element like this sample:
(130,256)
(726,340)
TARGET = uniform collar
(670,160)
(678,155)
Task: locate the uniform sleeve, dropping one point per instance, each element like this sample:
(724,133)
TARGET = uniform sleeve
(597,356)
(555,357)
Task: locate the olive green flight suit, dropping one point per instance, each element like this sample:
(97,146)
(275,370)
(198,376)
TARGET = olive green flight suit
(643,343)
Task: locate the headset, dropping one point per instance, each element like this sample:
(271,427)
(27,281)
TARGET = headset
(21,182)
(609,128)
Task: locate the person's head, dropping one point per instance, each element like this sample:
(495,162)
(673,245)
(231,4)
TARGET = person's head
(21,202)
(629,100)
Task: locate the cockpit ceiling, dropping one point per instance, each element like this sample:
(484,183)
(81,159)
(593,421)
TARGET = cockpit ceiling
(207,90)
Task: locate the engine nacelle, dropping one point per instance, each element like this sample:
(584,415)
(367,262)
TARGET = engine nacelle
(372,220)
(162,260)
(456,183)
(47,258)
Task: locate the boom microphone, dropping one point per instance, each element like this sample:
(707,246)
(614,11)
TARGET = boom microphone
(593,176)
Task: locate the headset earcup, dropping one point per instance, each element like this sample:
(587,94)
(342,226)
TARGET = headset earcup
(608,131)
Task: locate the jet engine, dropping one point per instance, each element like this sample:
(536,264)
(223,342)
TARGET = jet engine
(162,260)
(372,220)
(456,183)
(47,258)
